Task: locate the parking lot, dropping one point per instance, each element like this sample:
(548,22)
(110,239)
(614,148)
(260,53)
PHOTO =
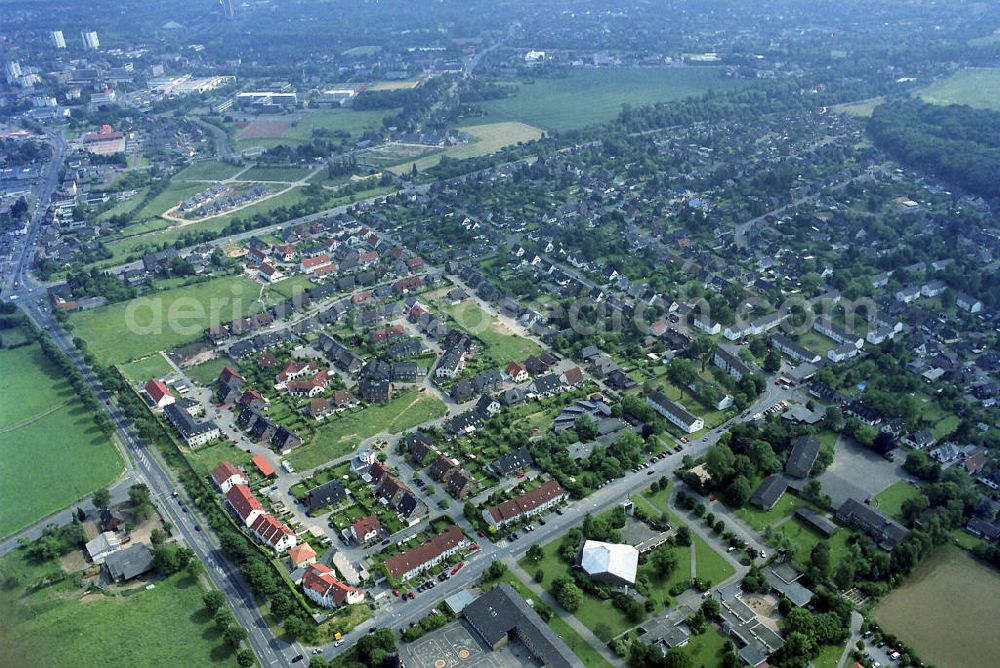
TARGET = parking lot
(857,472)
(453,646)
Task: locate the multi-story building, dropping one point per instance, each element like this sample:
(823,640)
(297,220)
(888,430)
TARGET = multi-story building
(674,413)
(407,564)
(57,39)
(529,504)
(322,587)
(731,364)
(793,350)
(90,40)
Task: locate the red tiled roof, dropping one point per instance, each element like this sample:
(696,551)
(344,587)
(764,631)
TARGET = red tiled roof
(223,472)
(263,465)
(315,261)
(301,552)
(228,374)
(365,525)
(249,395)
(527,502)
(243,501)
(406,561)
(574,376)
(156,389)
(320,579)
(269,529)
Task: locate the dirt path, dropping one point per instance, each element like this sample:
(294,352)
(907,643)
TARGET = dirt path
(33,419)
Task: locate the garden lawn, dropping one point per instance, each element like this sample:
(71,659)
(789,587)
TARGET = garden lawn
(829,656)
(112,339)
(583,649)
(586,97)
(204,459)
(761,519)
(207,372)
(945,426)
(337,436)
(891,499)
(54,626)
(152,366)
(51,453)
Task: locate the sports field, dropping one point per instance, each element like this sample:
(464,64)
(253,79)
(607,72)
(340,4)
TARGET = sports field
(586,97)
(943,609)
(58,625)
(129,330)
(488,138)
(975,87)
(51,454)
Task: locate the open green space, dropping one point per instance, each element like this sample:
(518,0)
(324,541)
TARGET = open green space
(586,97)
(592,612)
(488,138)
(124,331)
(943,608)
(270,173)
(583,649)
(861,109)
(51,453)
(829,656)
(978,88)
(709,564)
(151,366)
(57,625)
(207,458)
(804,539)
(761,519)
(208,170)
(705,649)
(503,345)
(891,499)
(207,372)
(945,426)
(147,218)
(337,436)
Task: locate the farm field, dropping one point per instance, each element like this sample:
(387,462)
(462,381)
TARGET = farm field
(338,436)
(152,366)
(861,109)
(940,609)
(209,170)
(300,127)
(490,138)
(48,433)
(975,87)
(55,626)
(586,97)
(108,335)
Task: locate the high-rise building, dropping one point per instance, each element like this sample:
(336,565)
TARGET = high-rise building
(90,40)
(57,39)
(13,69)
(228,8)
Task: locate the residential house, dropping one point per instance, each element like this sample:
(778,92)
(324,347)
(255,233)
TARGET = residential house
(158,393)
(273,533)
(322,587)
(731,364)
(365,529)
(325,495)
(243,504)
(528,504)
(225,475)
(674,413)
(410,563)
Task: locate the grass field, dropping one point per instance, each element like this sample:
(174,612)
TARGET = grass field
(51,454)
(975,87)
(300,132)
(709,564)
(147,218)
(339,436)
(209,170)
(207,372)
(55,626)
(141,370)
(489,138)
(805,539)
(861,109)
(890,500)
(941,608)
(164,320)
(205,459)
(502,345)
(267,173)
(586,97)
(704,649)
(760,519)
(592,611)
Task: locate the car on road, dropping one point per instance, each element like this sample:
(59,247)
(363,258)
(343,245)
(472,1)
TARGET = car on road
(395,592)
(457,568)
(541,520)
(651,472)
(197,527)
(412,595)
(481,533)
(298,658)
